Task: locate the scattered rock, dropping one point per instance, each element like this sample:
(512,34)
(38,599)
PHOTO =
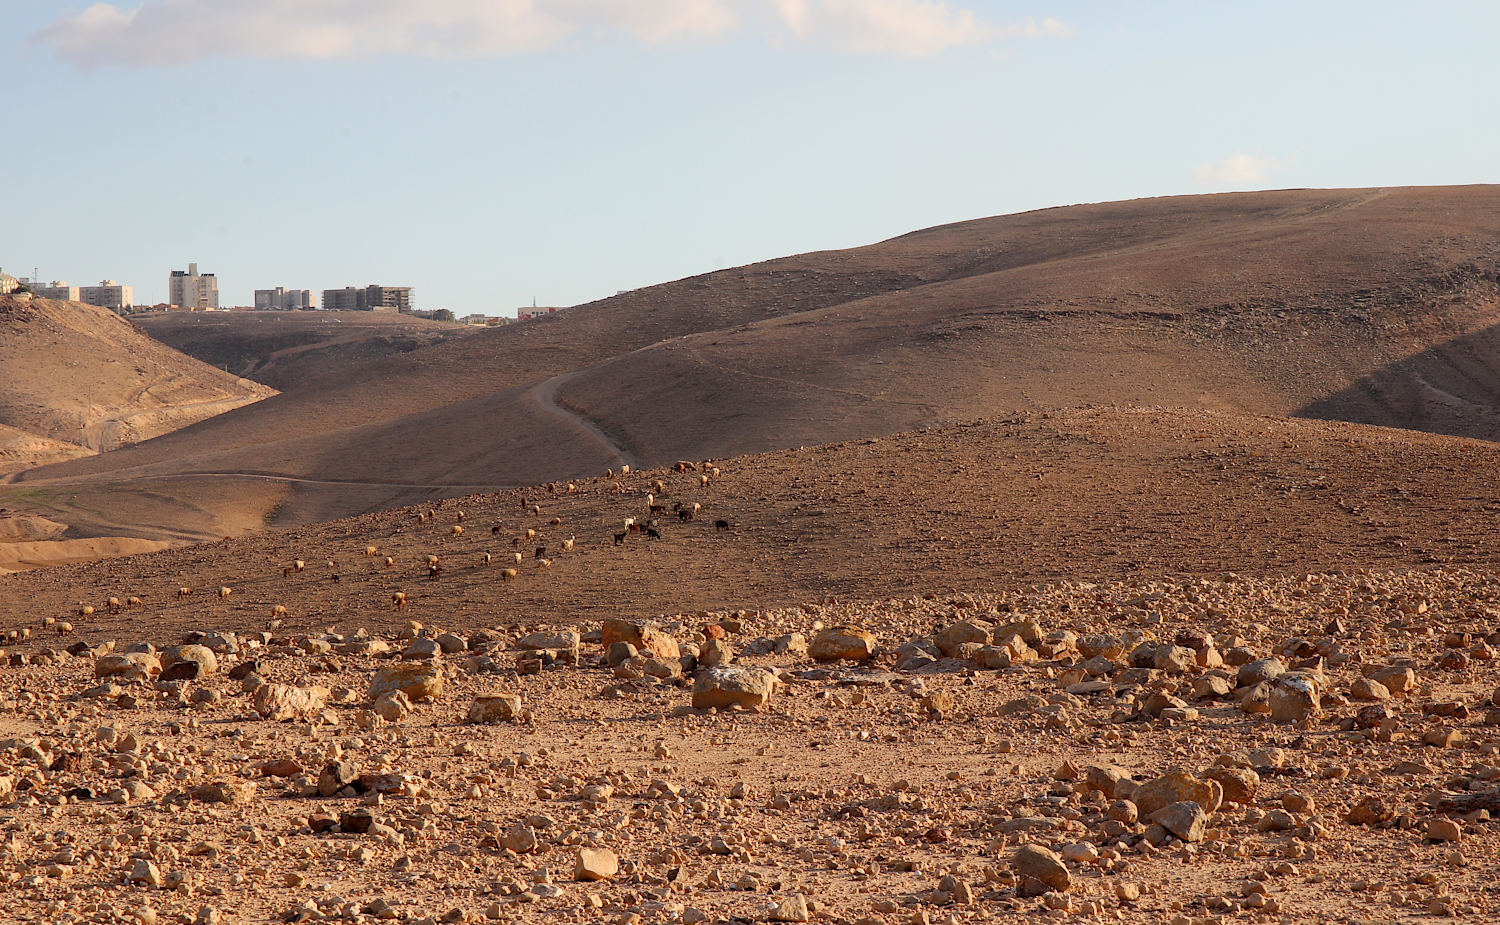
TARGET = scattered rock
(733,686)
(840,643)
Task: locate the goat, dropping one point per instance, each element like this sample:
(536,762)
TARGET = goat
(620,539)
(722,526)
(541,551)
(652,533)
(398,600)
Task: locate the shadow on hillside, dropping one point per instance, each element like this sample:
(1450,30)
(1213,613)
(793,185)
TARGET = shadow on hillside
(1451,389)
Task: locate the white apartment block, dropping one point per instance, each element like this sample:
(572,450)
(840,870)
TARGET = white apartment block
(108,294)
(58,289)
(191,289)
(283,300)
(8,283)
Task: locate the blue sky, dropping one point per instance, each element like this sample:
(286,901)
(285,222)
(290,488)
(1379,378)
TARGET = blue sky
(488,152)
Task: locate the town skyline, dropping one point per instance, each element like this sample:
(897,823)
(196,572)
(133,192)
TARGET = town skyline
(492,154)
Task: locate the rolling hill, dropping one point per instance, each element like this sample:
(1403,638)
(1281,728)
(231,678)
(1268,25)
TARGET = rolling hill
(80,380)
(1373,305)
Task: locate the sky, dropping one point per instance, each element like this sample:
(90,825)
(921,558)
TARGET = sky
(492,153)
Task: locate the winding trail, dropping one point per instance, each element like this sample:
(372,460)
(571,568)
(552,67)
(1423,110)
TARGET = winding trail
(543,395)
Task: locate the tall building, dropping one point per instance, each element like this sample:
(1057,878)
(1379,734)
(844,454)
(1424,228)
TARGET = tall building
(8,283)
(368,299)
(283,300)
(108,294)
(59,290)
(191,289)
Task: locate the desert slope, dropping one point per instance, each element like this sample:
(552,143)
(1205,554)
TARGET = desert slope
(80,379)
(295,350)
(1373,305)
(1096,494)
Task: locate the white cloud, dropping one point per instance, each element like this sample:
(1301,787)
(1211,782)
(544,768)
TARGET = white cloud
(1239,170)
(158,32)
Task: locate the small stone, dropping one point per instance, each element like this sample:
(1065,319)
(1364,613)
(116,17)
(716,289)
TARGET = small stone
(392,706)
(595,864)
(495,708)
(715,652)
(417,680)
(520,838)
(234,791)
(282,702)
(1369,689)
(336,775)
(1371,810)
(791,909)
(1443,829)
(1397,680)
(145,872)
(1442,736)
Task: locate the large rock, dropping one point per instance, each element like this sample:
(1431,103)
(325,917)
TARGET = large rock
(1239,784)
(642,636)
(1040,871)
(1177,786)
(838,643)
(1186,820)
(187,663)
(1395,679)
(733,685)
(281,702)
(564,641)
(132,666)
(414,679)
(1294,698)
(1262,669)
(495,708)
(595,864)
(954,635)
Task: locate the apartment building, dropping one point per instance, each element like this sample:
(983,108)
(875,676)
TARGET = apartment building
(368,299)
(283,300)
(108,294)
(192,289)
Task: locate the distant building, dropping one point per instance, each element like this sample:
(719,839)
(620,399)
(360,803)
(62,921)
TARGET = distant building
(283,300)
(108,294)
(534,311)
(191,289)
(58,289)
(8,283)
(368,299)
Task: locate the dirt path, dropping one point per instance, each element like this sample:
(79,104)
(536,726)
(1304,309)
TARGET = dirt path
(544,396)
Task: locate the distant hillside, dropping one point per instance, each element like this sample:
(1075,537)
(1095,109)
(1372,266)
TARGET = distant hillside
(80,380)
(1375,305)
(311,350)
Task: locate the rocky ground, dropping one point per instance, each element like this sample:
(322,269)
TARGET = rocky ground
(1227,749)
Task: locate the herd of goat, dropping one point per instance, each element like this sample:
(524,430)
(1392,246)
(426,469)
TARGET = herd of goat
(647,521)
